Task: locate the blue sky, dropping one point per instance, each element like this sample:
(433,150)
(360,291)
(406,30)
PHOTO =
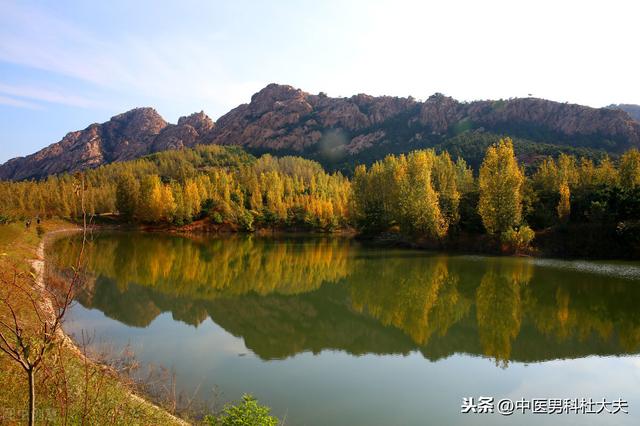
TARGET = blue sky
(66,64)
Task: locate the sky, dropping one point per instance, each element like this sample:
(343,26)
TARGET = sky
(67,64)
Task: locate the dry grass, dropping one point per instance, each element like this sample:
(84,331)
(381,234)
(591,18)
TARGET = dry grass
(70,388)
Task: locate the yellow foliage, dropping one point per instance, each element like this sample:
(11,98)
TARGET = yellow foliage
(501,180)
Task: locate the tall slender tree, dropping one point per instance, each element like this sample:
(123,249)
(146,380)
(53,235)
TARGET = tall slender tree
(501,180)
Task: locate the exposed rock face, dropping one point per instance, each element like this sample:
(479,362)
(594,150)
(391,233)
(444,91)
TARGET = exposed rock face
(283,119)
(188,132)
(632,110)
(126,136)
(565,120)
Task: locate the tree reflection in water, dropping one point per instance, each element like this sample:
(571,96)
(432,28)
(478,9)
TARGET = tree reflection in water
(286,296)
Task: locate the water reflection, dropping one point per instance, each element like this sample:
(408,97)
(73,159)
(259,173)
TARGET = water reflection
(414,294)
(284,297)
(499,305)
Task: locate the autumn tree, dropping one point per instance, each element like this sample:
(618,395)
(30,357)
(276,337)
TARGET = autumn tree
(445,177)
(606,173)
(419,204)
(399,190)
(150,208)
(501,180)
(630,169)
(464,177)
(564,204)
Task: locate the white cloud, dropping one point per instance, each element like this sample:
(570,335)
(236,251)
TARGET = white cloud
(582,53)
(47,95)
(171,67)
(5,100)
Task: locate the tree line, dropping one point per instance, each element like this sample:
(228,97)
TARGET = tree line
(422,195)
(226,185)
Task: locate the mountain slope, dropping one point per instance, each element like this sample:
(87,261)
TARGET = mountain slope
(340,132)
(124,137)
(632,110)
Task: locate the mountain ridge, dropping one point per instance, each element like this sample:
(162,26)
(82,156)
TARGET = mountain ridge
(336,131)
(631,109)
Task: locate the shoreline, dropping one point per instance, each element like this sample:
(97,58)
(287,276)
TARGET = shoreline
(38,266)
(553,243)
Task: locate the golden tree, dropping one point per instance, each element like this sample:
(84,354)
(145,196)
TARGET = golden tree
(501,180)
(630,169)
(564,205)
(419,204)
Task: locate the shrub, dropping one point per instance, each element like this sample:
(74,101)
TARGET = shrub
(216,217)
(245,220)
(247,413)
(207,207)
(518,240)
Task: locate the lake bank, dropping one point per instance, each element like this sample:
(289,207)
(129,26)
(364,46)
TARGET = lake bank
(63,386)
(566,241)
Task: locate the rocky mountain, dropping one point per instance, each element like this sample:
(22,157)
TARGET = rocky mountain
(632,110)
(126,136)
(340,132)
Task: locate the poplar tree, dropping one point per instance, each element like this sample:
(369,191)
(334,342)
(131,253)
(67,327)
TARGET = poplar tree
(630,169)
(418,200)
(150,208)
(564,205)
(445,183)
(501,180)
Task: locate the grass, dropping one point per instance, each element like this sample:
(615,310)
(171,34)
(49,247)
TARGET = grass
(70,388)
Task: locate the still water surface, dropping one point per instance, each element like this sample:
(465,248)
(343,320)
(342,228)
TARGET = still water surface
(329,332)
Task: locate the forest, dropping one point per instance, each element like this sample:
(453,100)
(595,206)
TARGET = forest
(225,185)
(570,205)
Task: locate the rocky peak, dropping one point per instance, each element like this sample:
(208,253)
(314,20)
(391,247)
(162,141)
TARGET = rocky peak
(199,121)
(276,92)
(125,136)
(138,121)
(189,131)
(276,97)
(439,112)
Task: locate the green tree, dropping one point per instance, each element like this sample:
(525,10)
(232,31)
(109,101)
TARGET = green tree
(127,191)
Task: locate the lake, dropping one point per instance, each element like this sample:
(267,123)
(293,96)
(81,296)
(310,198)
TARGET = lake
(327,331)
